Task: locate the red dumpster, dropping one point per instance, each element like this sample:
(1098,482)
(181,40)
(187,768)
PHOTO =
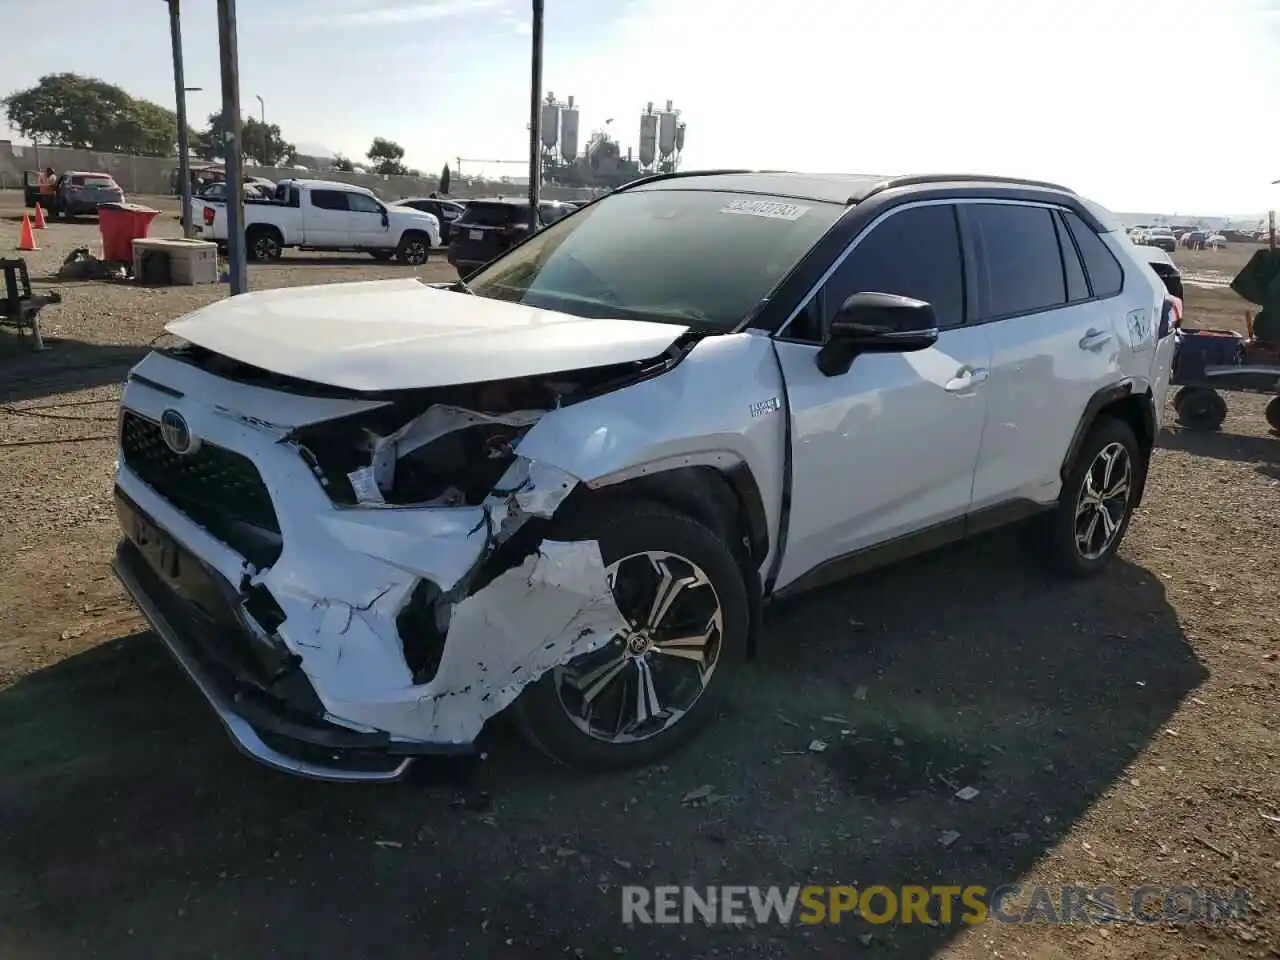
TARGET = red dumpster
(120,224)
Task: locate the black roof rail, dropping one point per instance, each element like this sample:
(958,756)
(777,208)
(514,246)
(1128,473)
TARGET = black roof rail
(654,178)
(918,179)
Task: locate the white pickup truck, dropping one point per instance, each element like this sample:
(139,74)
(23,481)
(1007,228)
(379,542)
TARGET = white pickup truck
(325,215)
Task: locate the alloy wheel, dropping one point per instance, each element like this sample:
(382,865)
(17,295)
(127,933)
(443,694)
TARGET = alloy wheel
(1103,501)
(265,248)
(648,676)
(415,253)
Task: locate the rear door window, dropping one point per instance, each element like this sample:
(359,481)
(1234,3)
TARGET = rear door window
(1019,259)
(329,199)
(1077,285)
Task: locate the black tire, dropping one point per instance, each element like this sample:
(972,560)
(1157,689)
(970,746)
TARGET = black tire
(382,255)
(1070,520)
(414,249)
(263,243)
(1272,413)
(630,529)
(1200,408)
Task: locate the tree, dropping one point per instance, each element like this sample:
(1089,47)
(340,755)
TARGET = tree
(66,109)
(445,177)
(343,165)
(386,156)
(264,143)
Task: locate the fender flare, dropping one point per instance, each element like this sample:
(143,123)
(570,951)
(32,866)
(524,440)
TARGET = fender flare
(1141,403)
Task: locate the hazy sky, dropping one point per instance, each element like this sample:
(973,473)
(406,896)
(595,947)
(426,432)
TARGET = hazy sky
(1145,105)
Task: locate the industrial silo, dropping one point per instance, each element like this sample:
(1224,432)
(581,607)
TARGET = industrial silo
(668,121)
(569,132)
(551,123)
(648,136)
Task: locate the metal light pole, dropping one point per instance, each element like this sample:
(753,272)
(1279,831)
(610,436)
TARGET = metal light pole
(535,118)
(262,111)
(233,149)
(180,89)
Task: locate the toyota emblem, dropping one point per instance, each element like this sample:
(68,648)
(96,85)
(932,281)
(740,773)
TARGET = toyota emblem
(176,434)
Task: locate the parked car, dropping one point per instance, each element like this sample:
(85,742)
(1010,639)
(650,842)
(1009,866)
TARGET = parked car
(326,215)
(217,192)
(1165,269)
(445,211)
(76,193)
(491,227)
(1160,237)
(368,517)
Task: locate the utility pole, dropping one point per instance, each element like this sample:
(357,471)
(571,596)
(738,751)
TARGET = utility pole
(233,148)
(535,118)
(262,109)
(180,89)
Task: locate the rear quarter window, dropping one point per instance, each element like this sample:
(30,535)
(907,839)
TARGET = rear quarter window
(1106,278)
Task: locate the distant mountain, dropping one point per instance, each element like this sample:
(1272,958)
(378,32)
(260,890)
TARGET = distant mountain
(315,150)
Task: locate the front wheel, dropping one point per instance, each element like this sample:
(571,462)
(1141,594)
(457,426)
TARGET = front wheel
(1272,413)
(652,687)
(1096,503)
(414,249)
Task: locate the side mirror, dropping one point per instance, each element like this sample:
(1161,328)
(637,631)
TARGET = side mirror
(876,323)
(386,217)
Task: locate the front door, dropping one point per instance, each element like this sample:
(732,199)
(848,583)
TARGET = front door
(888,448)
(370,227)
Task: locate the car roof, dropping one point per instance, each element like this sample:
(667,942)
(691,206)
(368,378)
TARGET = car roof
(89,173)
(329,185)
(855,188)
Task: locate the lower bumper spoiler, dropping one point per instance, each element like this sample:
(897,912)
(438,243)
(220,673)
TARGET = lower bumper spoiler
(244,734)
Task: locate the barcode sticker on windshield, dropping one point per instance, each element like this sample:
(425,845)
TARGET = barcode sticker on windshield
(772,209)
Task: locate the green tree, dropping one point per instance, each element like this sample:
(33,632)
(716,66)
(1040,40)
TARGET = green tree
(445,177)
(66,109)
(263,143)
(342,164)
(386,156)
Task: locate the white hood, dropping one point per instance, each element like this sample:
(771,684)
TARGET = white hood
(402,334)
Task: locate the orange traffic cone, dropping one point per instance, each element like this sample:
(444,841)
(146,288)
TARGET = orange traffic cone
(39,217)
(28,239)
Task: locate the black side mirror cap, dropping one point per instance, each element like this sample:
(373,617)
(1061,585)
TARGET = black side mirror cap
(876,323)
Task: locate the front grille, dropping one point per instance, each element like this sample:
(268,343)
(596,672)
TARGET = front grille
(217,488)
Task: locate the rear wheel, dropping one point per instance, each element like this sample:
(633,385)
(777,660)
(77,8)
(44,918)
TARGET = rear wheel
(263,244)
(414,249)
(1096,502)
(1200,408)
(655,684)
(1272,414)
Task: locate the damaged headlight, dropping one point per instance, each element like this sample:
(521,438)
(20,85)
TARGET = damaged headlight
(443,456)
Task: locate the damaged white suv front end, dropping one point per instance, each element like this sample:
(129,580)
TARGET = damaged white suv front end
(358,570)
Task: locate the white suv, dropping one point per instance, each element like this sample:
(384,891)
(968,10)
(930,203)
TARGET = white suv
(368,517)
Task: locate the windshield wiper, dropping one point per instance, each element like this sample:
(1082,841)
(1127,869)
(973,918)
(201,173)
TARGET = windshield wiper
(460,286)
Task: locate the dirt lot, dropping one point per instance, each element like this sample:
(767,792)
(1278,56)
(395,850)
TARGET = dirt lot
(1122,731)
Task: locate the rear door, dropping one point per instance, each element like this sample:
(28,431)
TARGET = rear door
(488,229)
(326,219)
(1055,334)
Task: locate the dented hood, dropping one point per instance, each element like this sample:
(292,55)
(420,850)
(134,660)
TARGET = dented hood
(402,334)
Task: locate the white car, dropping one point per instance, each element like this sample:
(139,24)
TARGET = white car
(368,517)
(325,215)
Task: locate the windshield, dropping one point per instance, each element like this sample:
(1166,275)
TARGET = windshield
(706,258)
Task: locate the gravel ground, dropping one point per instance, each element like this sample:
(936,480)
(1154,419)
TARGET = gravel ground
(1121,731)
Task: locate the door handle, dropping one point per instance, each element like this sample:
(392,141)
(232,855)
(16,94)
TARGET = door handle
(965,378)
(1093,339)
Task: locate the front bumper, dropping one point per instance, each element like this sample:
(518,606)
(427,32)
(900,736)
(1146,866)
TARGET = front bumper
(197,615)
(334,613)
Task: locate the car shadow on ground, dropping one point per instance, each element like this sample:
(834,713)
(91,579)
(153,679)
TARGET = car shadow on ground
(127,819)
(1235,447)
(436,255)
(68,365)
